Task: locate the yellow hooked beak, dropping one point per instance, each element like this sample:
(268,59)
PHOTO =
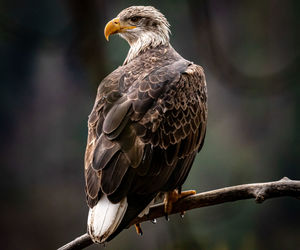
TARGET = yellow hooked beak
(114,26)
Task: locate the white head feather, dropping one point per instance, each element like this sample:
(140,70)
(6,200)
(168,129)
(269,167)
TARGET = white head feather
(152,29)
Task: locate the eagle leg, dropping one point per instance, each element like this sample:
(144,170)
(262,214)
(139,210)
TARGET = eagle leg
(173,196)
(138,229)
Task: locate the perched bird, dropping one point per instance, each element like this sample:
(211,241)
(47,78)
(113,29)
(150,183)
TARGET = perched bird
(146,127)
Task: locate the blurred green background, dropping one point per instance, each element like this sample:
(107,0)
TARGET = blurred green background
(53,56)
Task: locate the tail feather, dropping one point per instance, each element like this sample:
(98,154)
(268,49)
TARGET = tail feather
(104,218)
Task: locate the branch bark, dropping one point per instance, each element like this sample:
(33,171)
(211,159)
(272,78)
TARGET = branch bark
(259,191)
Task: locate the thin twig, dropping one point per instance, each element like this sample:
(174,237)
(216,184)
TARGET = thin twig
(259,191)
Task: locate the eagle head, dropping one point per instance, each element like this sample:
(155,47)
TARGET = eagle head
(141,27)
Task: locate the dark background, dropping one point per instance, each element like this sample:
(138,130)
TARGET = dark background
(53,56)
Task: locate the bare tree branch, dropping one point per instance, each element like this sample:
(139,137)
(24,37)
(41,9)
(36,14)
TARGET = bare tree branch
(80,242)
(259,191)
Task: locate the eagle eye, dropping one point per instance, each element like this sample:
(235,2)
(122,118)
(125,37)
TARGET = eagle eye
(135,18)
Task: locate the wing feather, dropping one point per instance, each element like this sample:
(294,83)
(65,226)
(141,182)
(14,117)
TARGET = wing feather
(93,183)
(116,119)
(125,185)
(113,173)
(103,152)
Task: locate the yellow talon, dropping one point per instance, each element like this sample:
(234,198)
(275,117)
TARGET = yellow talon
(173,196)
(138,229)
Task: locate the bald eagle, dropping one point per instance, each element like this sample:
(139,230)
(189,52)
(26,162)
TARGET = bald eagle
(146,127)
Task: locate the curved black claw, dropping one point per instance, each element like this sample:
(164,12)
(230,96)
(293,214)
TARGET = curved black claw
(154,221)
(179,190)
(167,217)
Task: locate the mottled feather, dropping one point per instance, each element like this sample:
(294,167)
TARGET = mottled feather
(147,125)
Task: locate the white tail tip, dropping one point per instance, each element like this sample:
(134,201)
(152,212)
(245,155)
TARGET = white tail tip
(104,218)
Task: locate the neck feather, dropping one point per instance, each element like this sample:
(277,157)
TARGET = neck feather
(145,41)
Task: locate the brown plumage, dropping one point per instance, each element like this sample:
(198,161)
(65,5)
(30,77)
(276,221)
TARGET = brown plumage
(147,125)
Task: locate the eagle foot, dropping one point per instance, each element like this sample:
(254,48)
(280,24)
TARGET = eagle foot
(172,197)
(138,229)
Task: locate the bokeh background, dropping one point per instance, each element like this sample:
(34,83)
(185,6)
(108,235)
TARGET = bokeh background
(54,55)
